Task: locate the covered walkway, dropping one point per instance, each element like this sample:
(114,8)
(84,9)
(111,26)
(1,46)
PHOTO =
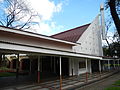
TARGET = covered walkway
(67,83)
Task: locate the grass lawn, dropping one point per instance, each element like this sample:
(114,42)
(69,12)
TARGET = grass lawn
(6,74)
(116,86)
(112,88)
(117,83)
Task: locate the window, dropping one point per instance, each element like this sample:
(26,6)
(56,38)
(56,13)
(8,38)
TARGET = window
(82,64)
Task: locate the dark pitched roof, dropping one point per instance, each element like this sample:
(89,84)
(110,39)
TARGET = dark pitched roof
(71,35)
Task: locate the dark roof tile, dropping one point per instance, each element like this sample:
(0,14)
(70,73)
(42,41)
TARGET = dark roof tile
(71,35)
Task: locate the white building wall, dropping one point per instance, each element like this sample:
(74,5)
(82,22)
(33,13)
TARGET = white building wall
(74,64)
(90,40)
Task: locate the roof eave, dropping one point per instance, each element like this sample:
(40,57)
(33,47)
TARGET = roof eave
(17,31)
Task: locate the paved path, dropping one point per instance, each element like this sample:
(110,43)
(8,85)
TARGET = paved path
(102,83)
(67,83)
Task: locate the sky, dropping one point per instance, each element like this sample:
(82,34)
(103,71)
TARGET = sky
(61,15)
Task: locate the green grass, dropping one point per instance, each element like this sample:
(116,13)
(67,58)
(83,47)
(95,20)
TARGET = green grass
(4,68)
(117,83)
(116,86)
(112,88)
(6,74)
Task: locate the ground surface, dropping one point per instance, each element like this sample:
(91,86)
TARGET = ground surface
(102,84)
(70,83)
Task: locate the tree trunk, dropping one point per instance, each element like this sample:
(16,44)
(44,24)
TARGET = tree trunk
(114,14)
(110,52)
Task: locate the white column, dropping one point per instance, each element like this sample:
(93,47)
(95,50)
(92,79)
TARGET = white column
(17,67)
(86,66)
(108,64)
(86,71)
(60,75)
(38,63)
(41,63)
(51,62)
(90,66)
(60,67)
(114,63)
(30,67)
(100,66)
(54,65)
(118,64)
(38,69)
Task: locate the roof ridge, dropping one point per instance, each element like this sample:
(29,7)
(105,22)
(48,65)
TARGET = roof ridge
(70,29)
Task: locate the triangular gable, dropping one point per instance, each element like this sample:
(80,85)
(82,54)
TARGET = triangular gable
(71,35)
(90,41)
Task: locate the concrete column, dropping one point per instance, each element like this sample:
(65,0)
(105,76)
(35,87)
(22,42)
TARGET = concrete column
(108,65)
(11,64)
(54,64)
(114,63)
(0,59)
(21,64)
(86,66)
(41,64)
(86,70)
(118,64)
(17,65)
(38,69)
(100,66)
(30,67)
(4,62)
(60,74)
(51,63)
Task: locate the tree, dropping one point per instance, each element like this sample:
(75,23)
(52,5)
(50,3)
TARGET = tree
(113,47)
(17,14)
(115,12)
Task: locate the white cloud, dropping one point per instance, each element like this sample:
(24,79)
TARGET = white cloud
(1,0)
(47,28)
(45,8)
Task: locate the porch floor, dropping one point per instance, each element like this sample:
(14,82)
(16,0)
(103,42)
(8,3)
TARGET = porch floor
(67,83)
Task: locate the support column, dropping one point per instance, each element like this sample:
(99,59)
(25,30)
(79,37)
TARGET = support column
(17,66)
(118,64)
(41,64)
(114,63)
(108,65)
(100,67)
(4,62)
(30,67)
(38,69)
(71,66)
(51,59)
(21,65)
(11,64)
(86,71)
(0,59)
(60,75)
(54,65)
